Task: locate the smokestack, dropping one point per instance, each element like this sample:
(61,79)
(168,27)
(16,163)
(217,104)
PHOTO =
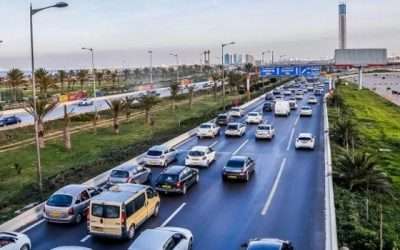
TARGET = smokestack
(342,26)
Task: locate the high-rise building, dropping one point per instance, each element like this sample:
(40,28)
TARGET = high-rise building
(226,59)
(239,59)
(248,58)
(342,26)
(235,59)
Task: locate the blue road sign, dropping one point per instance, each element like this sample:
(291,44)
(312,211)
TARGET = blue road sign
(308,71)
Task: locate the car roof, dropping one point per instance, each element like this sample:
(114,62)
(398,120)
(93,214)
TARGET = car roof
(234,123)
(151,239)
(271,243)
(174,169)
(239,158)
(264,124)
(159,148)
(254,112)
(199,148)
(305,135)
(236,108)
(207,123)
(307,107)
(72,189)
(125,167)
(119,193)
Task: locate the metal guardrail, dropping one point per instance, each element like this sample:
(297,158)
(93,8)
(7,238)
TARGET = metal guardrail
(330,213)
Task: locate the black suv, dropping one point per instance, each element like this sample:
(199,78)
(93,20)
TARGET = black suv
(268,106)
(177,179)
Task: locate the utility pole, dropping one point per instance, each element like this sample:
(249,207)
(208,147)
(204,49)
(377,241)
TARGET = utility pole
(223,72)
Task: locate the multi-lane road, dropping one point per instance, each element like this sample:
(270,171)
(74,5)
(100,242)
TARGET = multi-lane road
(284,199)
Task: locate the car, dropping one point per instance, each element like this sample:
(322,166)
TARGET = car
(238,167)
(130,174)
(310,88)
(200,156)
(292,104)
(306,111)
(69,204)
(276,92)
(287,92)
(267,244)
(236,112)
(118,212)
(278,98)
(9,120)
(305,141)
(269,97)
(208,130)
(299,96)
(254,117)
(85,102)
(318,92)
(14,241)
(177,179)
(160,155)
(71,248)
(265,131)
(282,108)
(223,119)
(268,106)
(235,129)
(312,100)
(171,238)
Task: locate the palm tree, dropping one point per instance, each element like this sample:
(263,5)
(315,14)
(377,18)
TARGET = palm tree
(114,76)
(45,81)
(99,77)
(61,77)
(191,95)
(215,76)
(43,108)
(345,132)
(174,88)
(147,102)
(67,134)
(116,106)
(127,73)
(15,77)
(82,77)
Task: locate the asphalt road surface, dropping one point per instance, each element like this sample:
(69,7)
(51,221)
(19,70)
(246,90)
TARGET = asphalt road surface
(283,199)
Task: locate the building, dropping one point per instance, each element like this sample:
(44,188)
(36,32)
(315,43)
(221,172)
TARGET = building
(248,58)
(226,59)
(342,26)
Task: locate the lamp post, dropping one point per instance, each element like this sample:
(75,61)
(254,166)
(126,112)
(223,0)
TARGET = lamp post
(223,72)
(272,56)
(151,66)
(32,12)
(262,57)
(177,65)
(91,50)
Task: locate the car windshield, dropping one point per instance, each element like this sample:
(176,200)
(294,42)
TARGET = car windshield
(59,200)
(306,108)
(235,109)
(205,126)
(304,138)
(264,127)
(171,178)
(105,211)
(253,114)
(196,153)
(119,174)
(222,117)
(262,246)
(235,163)
(154,153)
(232,126)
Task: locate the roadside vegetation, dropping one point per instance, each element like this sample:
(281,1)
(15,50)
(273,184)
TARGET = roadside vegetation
(365,140)
(87,154)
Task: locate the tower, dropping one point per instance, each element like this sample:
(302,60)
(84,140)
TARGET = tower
(342,26)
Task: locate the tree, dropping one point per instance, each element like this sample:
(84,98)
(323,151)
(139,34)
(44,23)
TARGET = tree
(215,76)
(191,94)
(15,78)
(43,108)
(114,76)
(174,89)
(116,107)
(147,102)
(66,133)
(61,77)
(82,77)
(45,82)
(127,73)
(234,81)
(99,77)
(345,132)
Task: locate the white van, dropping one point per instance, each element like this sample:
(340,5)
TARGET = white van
(282,108)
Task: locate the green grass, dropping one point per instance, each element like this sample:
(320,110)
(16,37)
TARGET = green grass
(378,122)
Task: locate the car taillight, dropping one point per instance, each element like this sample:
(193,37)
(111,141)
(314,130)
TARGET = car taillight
(129,180)
(123,218)
(178,184)
(71,211)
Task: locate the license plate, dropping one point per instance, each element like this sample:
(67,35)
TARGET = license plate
(232,176)
(166,186)
(55,214)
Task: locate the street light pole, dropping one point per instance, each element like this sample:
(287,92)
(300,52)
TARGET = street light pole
(272,56)
(223,71)
(151,66)
(262,57)
(35,117)
(91,50)
(177,65)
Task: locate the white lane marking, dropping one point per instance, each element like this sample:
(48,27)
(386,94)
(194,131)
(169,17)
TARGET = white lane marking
(213,144)
(173,215)
(273,190)
(33,225)
(86,238)
(290,140)
(297,120)
(240,147)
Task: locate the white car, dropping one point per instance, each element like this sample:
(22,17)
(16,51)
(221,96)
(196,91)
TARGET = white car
(299,96)
(160,156)
(254,117)
(200,156)
(235,129)
(265,131)
(312,100)
(208,130)
(236,112)
(305,141)
(306,111)
(85,102)
(171,238)
(287,92)
(14,241)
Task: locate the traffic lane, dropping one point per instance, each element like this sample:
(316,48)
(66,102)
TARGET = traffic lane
(297,210)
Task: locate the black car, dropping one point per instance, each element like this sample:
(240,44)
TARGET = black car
(269,97)
(10,120)
(223,119)
(238,167)
(267,244)
(268,106)
(177,179)
(276,92)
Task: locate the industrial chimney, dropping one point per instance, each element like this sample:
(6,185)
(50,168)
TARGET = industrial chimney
(342,26)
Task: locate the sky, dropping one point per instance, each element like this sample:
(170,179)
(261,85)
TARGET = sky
(122,31)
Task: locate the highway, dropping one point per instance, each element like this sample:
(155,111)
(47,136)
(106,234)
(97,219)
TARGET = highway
(283,199)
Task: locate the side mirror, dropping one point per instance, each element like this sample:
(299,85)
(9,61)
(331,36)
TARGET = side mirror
(243,246)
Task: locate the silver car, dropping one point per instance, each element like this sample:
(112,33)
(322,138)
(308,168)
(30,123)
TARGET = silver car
(130,174)
(69,204)
(160,156)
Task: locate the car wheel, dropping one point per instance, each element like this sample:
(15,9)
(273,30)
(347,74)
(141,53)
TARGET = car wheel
(190,245)
(184,189)
(78,218)
(197,178)
(156,210)
(165,164)
(131,232)
(26,247)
